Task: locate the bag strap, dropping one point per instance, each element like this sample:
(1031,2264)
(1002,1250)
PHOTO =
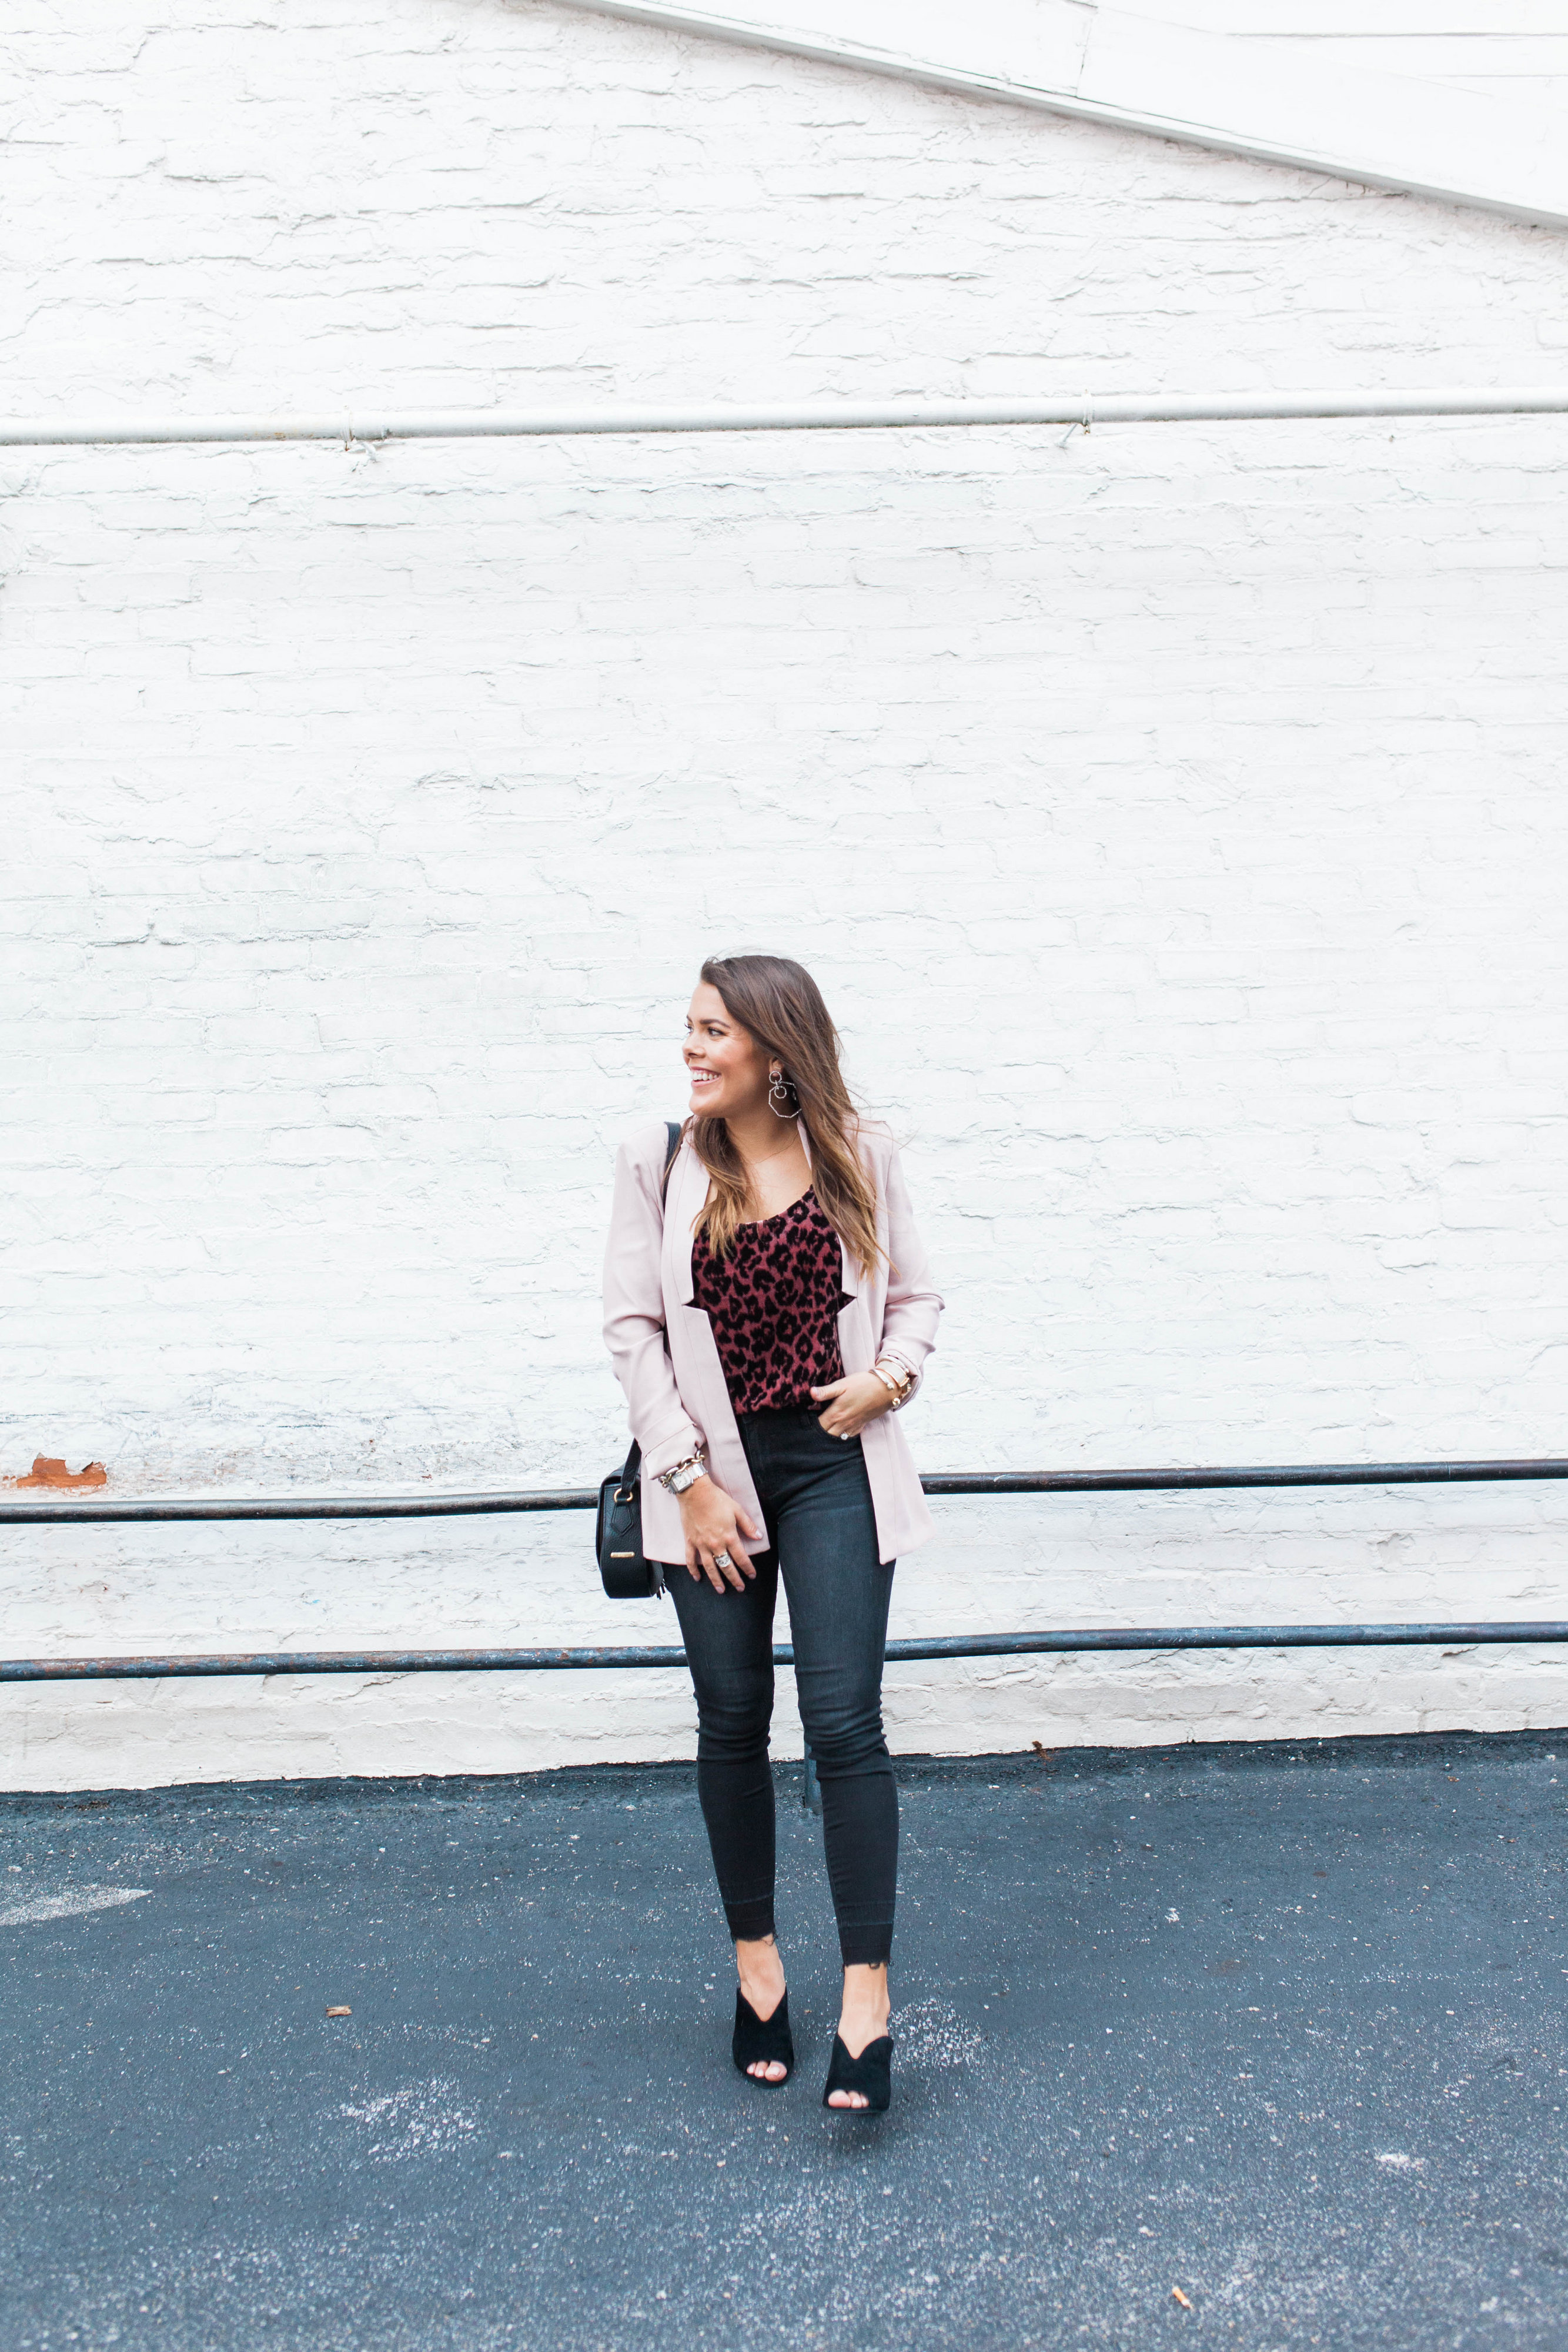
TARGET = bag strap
(673,1130)
(672,1146)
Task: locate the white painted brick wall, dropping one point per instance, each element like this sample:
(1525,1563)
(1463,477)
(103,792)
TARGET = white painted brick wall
(1174,818)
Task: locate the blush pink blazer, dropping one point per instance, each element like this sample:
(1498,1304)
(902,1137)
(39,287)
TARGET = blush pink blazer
(665,1359)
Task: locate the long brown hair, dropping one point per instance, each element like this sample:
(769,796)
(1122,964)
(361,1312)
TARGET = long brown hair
(778,1004)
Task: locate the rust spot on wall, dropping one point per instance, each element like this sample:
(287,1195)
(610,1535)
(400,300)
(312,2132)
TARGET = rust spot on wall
(47,1471)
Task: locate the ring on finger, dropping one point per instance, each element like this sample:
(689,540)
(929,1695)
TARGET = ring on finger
(722,1560)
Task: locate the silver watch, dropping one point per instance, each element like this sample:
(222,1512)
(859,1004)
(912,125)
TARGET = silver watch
(683,1475)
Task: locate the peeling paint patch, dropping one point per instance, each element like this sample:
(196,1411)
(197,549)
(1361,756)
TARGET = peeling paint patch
(49,1470)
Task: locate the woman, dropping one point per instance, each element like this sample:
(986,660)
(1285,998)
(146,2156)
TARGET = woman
(767,1310)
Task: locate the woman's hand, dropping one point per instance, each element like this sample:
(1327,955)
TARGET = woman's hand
(712,1524)
(852,1403)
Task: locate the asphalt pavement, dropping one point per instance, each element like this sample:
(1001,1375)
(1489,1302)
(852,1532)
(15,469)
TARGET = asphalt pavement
(1261,2046)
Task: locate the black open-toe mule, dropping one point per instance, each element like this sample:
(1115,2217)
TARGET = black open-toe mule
(871,2075)
(758,2041)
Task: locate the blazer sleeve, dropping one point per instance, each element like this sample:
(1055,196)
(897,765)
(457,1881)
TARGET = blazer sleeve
(913,1307)
(634,1312)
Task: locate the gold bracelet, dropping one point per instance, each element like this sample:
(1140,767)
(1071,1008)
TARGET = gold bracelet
(898,1387)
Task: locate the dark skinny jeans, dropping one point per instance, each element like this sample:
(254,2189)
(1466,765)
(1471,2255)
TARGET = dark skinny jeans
(817,1501)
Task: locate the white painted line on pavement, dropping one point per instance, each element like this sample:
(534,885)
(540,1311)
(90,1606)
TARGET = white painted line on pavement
(69,1903)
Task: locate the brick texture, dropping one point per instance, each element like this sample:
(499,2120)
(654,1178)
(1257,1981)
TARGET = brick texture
(1174,817)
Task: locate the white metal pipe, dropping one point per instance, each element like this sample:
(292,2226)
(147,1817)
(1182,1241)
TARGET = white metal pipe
(1085,408)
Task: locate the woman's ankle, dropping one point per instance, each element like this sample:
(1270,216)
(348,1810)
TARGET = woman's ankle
(759,1965)
(865,2002)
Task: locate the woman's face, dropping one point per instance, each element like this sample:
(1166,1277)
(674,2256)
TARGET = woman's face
(727,1068)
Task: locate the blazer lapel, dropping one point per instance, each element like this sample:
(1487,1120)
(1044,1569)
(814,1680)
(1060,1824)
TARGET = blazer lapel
(688,1191)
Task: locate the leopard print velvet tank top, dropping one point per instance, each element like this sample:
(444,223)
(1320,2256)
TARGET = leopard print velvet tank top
(774,1305)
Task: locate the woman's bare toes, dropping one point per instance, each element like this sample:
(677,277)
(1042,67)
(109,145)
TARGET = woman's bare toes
(846,2099)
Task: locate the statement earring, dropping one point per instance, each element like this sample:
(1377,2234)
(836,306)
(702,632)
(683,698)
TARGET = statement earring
(779,1097)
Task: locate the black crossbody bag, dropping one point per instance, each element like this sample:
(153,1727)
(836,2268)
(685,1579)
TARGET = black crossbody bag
(623,1572)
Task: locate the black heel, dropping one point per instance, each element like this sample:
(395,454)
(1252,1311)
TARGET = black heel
(871,2075)
(761,2039)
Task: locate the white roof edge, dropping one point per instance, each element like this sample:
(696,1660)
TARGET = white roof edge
(1207,89)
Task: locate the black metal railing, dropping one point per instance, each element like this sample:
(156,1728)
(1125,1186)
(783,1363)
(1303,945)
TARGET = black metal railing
(39,1508)
(45,1508)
